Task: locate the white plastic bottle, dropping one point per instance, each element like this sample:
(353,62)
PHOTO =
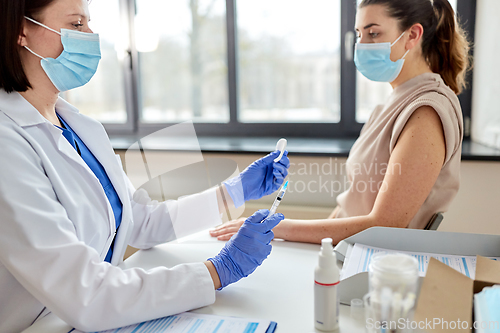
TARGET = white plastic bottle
(326,280)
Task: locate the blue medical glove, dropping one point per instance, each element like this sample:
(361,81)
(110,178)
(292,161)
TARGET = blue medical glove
(247,249)
(261,178)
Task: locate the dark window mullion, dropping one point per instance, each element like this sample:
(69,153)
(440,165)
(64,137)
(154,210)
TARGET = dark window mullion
(466,10)
(348,72)
(135,65)
(232,58)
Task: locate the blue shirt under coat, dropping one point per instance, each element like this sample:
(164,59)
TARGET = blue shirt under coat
(99,172)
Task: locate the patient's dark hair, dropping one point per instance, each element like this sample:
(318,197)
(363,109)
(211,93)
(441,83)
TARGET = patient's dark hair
(444,44)
(12,12)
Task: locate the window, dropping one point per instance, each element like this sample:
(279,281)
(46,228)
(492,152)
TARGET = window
(182,53)
(235,67)
(453,4)
(486,126)
(289,60)
(103,98)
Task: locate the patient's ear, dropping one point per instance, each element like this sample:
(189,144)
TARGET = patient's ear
(415,33)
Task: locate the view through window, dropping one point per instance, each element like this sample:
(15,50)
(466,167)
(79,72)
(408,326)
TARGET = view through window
(289,60)
(285,68)
(183,60)
(103,98)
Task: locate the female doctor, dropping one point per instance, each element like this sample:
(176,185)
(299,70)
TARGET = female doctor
(67,209)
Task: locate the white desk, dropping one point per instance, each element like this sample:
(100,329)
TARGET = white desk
(281,289)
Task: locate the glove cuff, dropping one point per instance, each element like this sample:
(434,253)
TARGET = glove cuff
(220,270)
(234,187)
(227,270)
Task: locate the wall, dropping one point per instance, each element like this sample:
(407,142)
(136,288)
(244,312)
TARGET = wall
(486,93)
(475,209)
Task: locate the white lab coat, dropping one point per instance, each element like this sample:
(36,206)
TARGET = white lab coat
(56,226)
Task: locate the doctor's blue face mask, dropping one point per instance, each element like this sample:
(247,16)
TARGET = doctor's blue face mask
(373,60)
(78,62)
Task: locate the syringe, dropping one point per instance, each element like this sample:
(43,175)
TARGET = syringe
(278,199)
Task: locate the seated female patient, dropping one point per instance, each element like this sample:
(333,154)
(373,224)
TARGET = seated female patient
(415,139)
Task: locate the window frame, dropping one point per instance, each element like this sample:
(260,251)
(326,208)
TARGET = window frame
(348,127)
(466,10)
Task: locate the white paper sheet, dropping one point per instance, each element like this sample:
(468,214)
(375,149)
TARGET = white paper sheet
(195,323)
(360,256)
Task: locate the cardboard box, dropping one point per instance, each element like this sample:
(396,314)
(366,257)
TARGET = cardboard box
(447,296)
(412,240)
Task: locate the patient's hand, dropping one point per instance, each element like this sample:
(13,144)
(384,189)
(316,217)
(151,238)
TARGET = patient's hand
(228,229)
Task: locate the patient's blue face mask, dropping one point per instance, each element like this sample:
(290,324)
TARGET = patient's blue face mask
(373,60)
(78,62)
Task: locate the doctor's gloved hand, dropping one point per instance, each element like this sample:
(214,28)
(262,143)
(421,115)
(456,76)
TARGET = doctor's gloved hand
(259,179)
(247,249)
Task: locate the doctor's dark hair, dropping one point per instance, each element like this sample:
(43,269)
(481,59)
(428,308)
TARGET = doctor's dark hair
(12,12)
(444,44)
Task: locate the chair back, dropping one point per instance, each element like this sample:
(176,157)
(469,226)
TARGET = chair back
(434,222)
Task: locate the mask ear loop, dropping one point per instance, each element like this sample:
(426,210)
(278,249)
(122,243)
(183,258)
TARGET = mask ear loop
(39,56)
(42,25)
(397,40)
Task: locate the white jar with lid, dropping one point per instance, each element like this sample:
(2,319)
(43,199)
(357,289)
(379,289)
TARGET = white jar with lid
(397,271)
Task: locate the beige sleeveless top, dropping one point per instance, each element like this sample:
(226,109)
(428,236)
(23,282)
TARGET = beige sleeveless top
(369,156)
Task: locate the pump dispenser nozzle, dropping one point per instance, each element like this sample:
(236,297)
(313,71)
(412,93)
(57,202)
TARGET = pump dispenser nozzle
(326,246)
(327,257)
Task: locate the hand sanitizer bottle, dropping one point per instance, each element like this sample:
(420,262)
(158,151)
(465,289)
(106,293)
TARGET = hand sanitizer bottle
(326,280)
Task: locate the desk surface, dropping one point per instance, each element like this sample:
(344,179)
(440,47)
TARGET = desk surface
(280,290)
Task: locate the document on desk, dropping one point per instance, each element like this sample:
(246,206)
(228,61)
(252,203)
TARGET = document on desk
(188,322)
(359,256)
